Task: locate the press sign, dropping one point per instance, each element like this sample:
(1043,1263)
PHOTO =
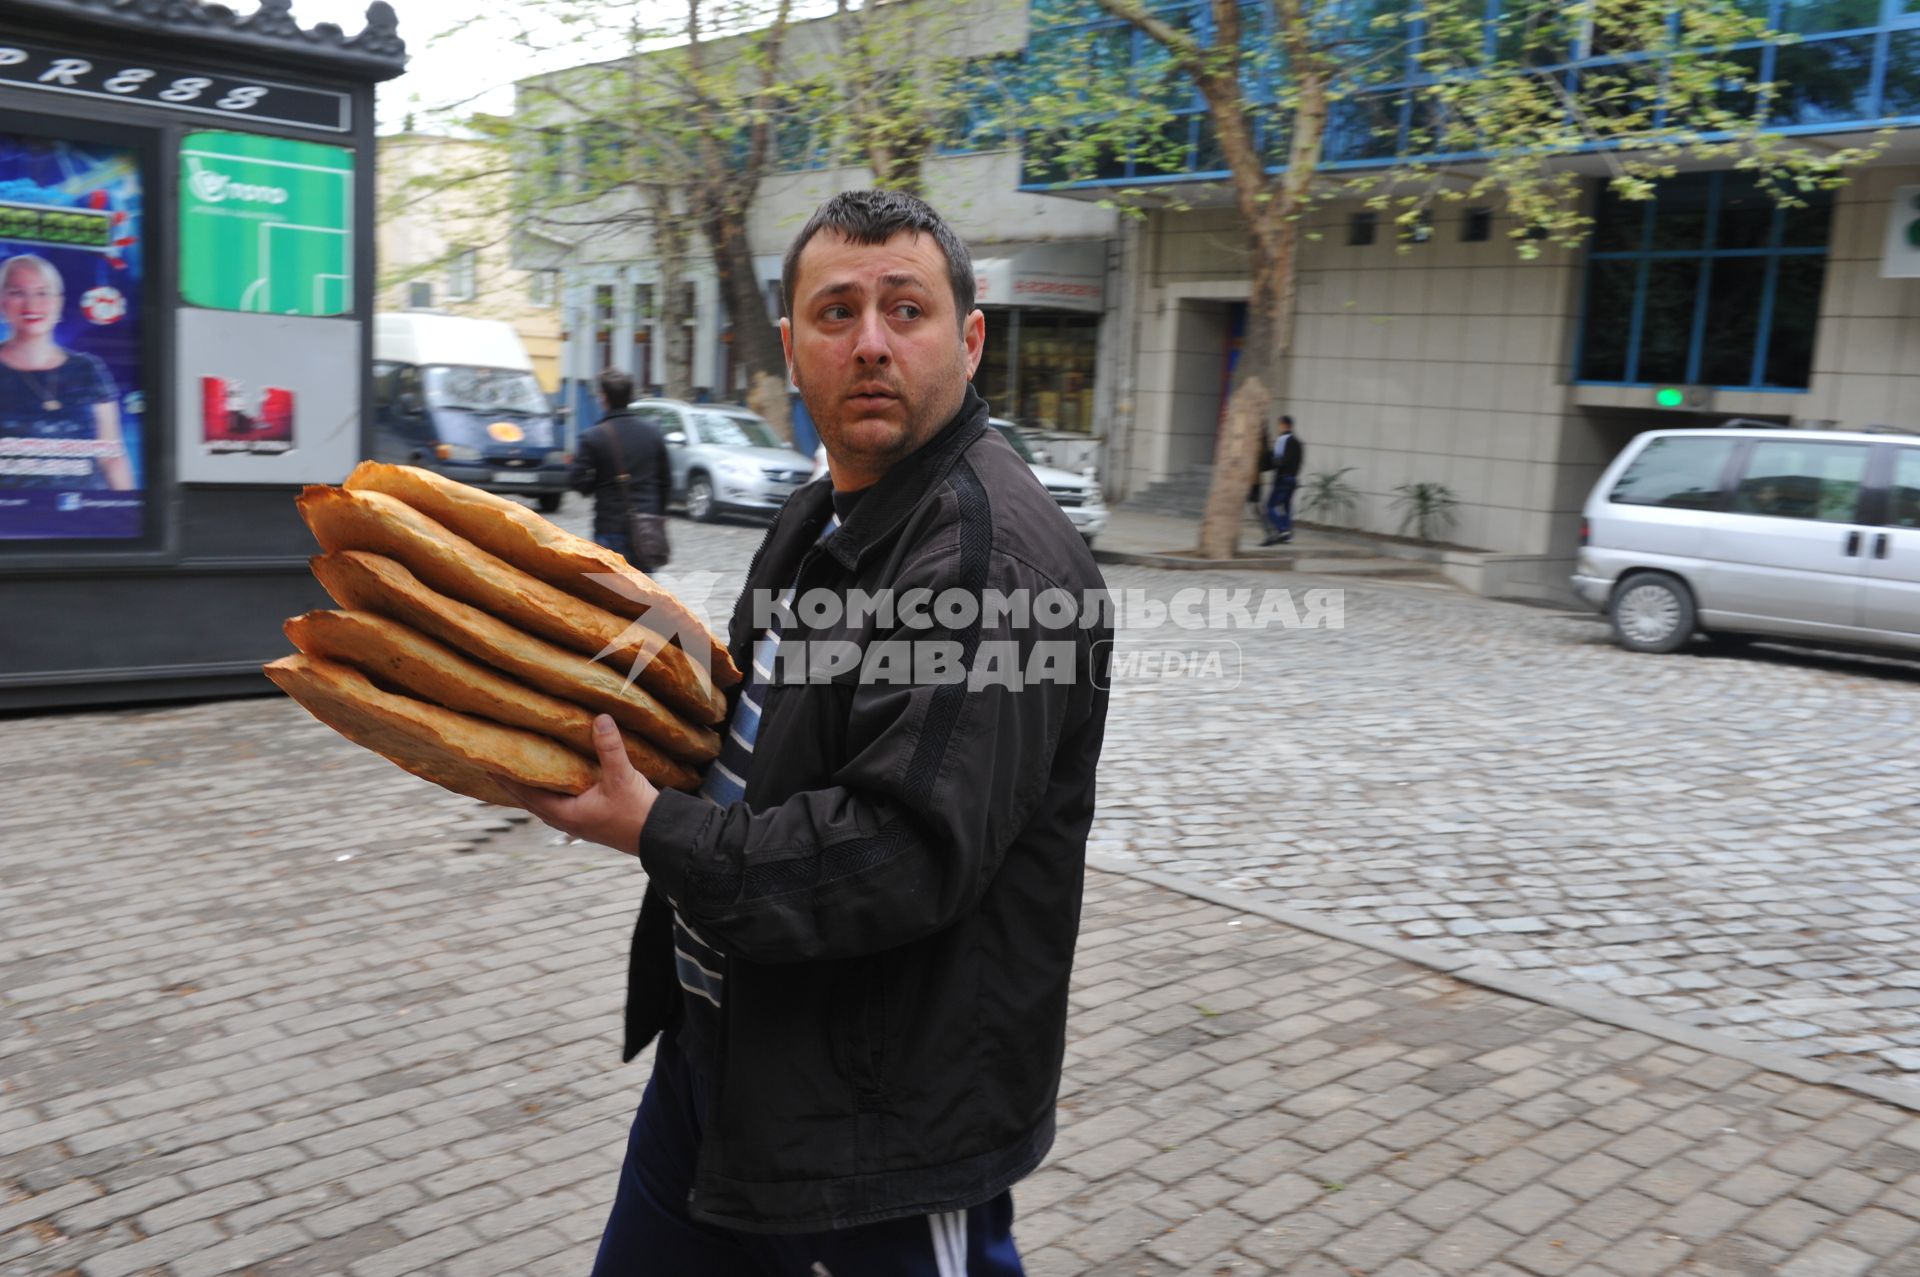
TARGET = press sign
(50,70)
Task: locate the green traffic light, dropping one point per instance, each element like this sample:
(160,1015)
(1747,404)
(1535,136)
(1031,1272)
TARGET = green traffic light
(1669,397)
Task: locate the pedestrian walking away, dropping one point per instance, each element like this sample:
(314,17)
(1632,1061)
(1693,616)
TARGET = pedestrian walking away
(622,443)
(854,948)
(1288,453)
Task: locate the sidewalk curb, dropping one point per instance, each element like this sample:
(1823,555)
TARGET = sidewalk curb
(1177,562)
(1619,1012)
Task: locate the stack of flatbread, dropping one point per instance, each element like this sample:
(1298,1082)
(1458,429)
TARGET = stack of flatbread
(476,640)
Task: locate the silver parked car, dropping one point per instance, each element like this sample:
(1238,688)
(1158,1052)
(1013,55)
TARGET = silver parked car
(1793,534)
(1079,495)
(725,459)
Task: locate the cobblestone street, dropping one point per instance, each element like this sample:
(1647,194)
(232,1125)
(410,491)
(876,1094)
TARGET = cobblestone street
(274,1007)
(1728,839)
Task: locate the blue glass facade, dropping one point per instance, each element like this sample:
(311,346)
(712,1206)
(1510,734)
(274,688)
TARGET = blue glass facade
(1851,63)
(1710,283)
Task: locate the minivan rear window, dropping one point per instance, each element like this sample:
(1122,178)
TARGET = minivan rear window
(1680,473)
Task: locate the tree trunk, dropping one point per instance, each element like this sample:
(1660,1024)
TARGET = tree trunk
(756,343)
(1250,404)
(669,308)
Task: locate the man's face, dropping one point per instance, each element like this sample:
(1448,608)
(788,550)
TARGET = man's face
(877,349)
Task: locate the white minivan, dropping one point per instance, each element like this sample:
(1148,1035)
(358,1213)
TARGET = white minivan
(1793,534)
(458,395)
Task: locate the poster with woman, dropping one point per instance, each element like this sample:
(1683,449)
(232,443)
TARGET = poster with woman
(72,456)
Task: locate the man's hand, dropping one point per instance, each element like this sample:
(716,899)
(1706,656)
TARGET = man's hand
(612,812)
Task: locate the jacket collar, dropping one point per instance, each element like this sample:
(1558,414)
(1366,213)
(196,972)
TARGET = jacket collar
(889,502)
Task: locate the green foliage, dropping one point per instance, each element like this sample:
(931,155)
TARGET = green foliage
(1427,508)
(1406,83)
(1327,497)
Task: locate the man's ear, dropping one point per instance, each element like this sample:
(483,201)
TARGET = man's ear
(786,347)
(973,334)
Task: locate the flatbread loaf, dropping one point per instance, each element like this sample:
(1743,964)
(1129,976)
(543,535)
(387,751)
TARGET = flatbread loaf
(370,582)
(450,749)
(347,520)
(505,528)
(398,657)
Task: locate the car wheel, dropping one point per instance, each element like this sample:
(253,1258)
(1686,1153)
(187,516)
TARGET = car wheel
(700,498)
(1651,613)
(550,502)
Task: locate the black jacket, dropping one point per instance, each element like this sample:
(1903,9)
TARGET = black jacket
(899,895)
(650,477)
(1288,466)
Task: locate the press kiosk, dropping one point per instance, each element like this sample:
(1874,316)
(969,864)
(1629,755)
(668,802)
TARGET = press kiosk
(186,288)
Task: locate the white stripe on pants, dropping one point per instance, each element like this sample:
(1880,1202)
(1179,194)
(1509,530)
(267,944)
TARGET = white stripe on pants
(949,1243)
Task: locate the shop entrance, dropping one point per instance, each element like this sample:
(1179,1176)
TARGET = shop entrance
(1038,367)
(1206,342)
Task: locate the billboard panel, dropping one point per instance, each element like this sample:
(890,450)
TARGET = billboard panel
(266,224)
(266,398)
(72,446)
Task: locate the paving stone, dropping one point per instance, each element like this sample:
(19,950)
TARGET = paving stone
(1467,1247)
(1828,1259)
(1530,1209)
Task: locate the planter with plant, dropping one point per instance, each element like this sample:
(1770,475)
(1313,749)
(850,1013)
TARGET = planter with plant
(1326,497)
(1427,508)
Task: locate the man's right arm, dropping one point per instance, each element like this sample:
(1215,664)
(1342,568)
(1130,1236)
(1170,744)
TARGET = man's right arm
(662,468)
(586,470)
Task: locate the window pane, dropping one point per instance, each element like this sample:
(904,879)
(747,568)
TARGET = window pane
(1619,224)
(1666,324)
(1903,73)
(1823,81)
(1733,321)
(1680,473)
(1208,157)
(1746,214)
(1903,506)
(1794,479)
(1796,313)
(1680,212)
(1807,225)
(1363,128)
(1811,17)
(1609,319)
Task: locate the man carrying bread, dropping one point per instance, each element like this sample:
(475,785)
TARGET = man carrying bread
(855,944)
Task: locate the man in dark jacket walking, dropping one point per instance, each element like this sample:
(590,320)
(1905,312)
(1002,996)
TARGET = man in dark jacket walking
(1288,453)
(855,944)
(621,437)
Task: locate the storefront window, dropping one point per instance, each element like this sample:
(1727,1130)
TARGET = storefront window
(1038,368)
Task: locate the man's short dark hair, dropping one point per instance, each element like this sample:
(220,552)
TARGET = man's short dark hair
(616,388)
(1287,422)
(874,217)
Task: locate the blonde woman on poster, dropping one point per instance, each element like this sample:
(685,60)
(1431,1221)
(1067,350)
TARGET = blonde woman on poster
(48,392)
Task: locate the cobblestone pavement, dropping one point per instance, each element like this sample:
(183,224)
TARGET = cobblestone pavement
(1730,840)
(273,1007)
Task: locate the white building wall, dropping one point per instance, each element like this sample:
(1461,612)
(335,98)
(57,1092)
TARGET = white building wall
(1451,362)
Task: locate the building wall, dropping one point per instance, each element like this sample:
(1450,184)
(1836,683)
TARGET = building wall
(1450,362)
(417,234)
(1445,363)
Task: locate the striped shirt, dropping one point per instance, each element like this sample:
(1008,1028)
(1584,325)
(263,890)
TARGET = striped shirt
(701,967)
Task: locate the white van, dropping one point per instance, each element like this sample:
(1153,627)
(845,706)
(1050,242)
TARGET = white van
(1795,534)
(459,396)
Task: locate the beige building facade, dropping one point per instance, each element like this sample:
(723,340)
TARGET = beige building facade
(449,250)
(1457,361)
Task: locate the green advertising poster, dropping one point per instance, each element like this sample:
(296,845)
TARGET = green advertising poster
(266,224)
